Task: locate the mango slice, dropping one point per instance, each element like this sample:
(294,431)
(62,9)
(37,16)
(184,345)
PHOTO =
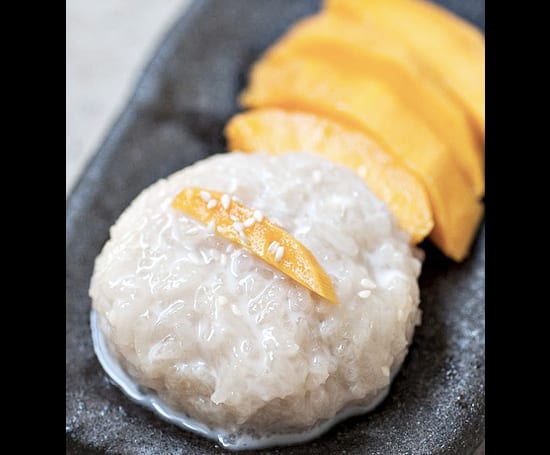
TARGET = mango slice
(250,229)
(452,48)
(277,132)
(370,51)
(366,103)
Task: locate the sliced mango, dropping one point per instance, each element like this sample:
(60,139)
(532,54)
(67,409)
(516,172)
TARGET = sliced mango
(452,48)
(366,103)
(277,132)
(250,229)
(368,51)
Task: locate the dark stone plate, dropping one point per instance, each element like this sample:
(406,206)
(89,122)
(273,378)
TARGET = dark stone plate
(175,117)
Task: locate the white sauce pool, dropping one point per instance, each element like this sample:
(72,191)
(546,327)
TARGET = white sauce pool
(231,441)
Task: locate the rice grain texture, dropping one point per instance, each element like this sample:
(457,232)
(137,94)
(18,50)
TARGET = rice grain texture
(231,341)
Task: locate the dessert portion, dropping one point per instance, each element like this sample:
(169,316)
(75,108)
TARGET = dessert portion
(229,337)
(415,95)
(260,296)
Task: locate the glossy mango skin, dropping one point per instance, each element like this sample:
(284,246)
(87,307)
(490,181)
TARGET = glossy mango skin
(370,51)
(278,131)
(303,82)
(452,49)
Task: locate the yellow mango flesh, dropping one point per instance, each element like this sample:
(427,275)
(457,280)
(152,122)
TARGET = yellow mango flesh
(368,51)
(277,131)
(366,103)
(452,48)
(259,237)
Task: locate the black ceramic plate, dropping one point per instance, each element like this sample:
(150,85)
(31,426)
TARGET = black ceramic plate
(175,117)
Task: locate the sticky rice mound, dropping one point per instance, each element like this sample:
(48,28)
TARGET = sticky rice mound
(231,341)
